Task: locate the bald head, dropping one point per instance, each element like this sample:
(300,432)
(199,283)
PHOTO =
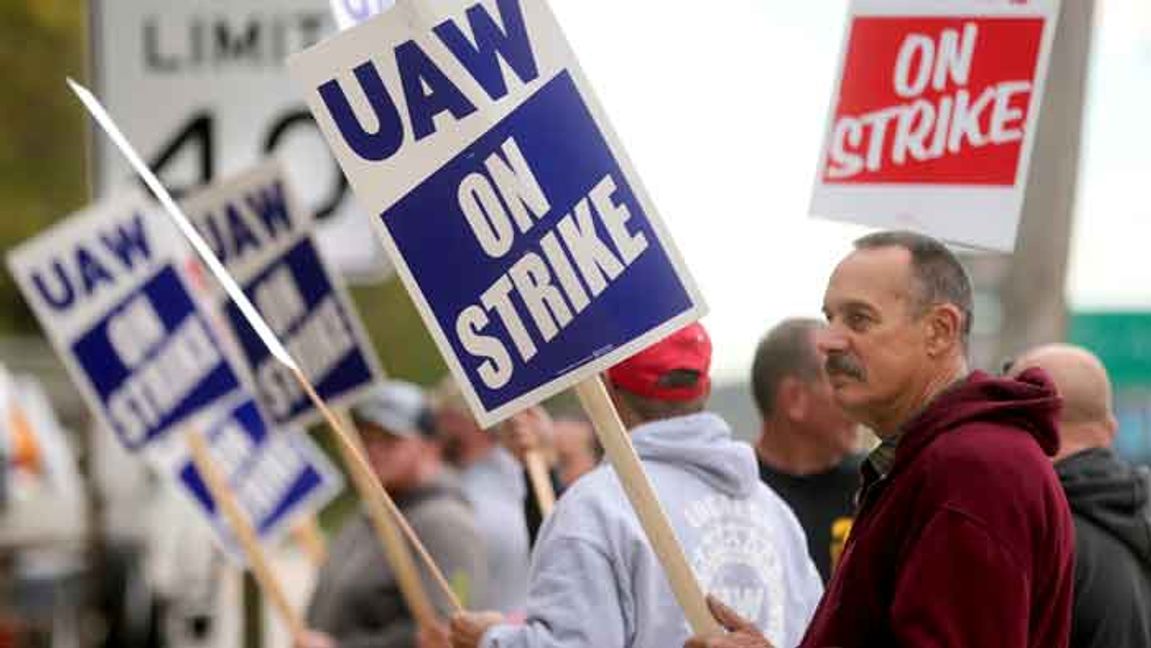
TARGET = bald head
(1086,420)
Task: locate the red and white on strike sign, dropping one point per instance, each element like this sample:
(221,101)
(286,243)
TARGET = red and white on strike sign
(934,116)
(934,100)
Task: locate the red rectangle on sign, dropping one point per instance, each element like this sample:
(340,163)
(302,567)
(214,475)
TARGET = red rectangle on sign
(934,101)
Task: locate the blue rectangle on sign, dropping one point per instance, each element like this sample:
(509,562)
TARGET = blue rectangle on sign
(300,303)
(153,360)
(270,477)
(532,250)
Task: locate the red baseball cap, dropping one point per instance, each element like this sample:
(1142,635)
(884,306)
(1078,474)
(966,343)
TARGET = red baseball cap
(649,373)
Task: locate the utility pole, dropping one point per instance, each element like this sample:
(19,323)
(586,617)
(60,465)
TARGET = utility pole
(1033,291)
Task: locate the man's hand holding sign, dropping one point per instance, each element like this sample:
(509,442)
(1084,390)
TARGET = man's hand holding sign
(741,632)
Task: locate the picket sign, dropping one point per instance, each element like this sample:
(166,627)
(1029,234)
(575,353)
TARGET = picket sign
(347,14)
(257,227)
(357,464)
(511,212)
(261,232)
(242,527)
(278,477)
(107,287)
(110,289)
(934,116)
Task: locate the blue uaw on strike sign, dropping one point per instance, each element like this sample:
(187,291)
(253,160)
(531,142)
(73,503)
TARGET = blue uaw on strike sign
(107,287)
(501,193)
(258,229)
(277,477)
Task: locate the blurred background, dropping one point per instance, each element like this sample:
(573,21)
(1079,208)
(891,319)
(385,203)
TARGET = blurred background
(200,88)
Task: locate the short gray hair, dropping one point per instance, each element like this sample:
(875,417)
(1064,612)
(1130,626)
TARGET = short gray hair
(787,350)
(938,273)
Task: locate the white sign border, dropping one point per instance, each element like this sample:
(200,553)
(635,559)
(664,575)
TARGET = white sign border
(870,204)
(304,229)
(595,364)
(135,198)
(173,455)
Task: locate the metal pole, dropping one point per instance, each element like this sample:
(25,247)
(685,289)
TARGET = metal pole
(97,539)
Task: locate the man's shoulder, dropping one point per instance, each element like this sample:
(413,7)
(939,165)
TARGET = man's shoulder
(354,527)
(595,489)
(1108,577)
(982,445)
(766,496)
(592,507)
(994,474)
(779,513)
(1099,551)
(439,508)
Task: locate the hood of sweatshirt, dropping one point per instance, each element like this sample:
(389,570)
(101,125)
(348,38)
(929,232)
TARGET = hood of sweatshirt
(702,445)
(1027,402)
(1111,493)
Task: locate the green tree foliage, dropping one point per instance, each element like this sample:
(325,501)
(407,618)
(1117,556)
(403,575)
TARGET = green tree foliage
(404,345)
(42,129)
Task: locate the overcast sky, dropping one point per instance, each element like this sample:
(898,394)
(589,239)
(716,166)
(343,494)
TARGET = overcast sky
(722,112)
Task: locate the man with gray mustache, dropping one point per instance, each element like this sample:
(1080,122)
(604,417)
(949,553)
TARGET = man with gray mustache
(963,536)
(838,364)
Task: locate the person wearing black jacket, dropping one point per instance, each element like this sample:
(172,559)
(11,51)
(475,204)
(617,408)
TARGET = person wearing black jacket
(1110,504)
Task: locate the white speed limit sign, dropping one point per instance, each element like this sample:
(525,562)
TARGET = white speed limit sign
(201,89)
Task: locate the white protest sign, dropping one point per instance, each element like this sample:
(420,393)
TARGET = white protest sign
(933,117)
(261,233)
(277,476)
(349,13)
(219,100)
(383,509)
(108,289)
(501,194)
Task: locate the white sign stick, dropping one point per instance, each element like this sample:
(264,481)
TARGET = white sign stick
(245,305)
(243,529)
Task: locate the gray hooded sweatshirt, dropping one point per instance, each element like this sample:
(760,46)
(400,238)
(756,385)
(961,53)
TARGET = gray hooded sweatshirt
(596,582)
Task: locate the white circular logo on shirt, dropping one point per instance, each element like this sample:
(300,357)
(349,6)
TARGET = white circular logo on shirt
(737,560)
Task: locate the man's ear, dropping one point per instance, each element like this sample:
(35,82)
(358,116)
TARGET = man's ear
(944,328)
(792,398)
(610,389)
(1112,428)
(626,415)
(372,450)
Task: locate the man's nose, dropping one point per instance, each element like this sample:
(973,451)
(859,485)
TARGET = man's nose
(829,339)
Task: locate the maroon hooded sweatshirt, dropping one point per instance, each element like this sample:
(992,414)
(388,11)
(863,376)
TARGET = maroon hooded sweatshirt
(968,541)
